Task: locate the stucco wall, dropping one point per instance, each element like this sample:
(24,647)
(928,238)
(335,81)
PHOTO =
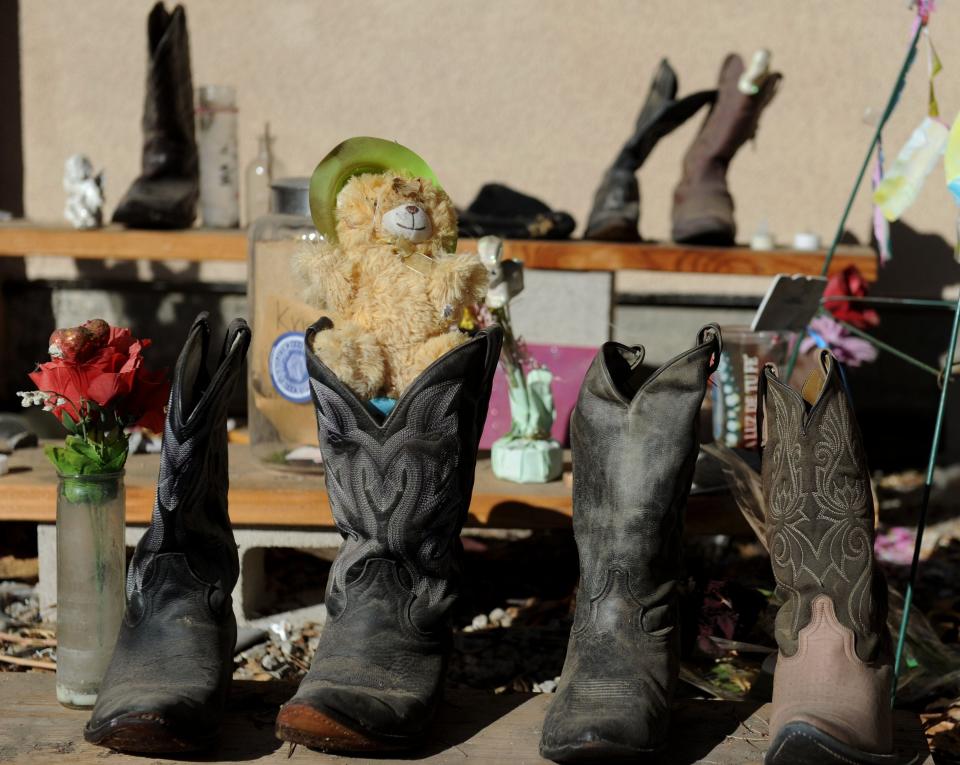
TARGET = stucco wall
(536,94)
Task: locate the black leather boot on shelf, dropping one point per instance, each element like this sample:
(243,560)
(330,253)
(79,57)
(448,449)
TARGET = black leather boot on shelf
(167,682)
(399,489)
(634,449)
(615,215)
(165,195)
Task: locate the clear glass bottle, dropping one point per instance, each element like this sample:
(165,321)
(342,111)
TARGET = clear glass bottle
(217,148)
(282,423)
(91,567)
(259,176)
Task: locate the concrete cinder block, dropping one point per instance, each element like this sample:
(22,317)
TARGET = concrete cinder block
(248,596)
(564,307)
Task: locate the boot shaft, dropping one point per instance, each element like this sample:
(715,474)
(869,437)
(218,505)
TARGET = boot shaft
(816,487)
(168,111)
(190,512)
(634,448)
(730,123)
(399,487)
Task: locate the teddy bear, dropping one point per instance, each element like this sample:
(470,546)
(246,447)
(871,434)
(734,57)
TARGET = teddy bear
(390,284)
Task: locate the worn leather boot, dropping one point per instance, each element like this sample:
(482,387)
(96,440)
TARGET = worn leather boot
(702,205)
(634,449)
(615,215)
(399,489)
(165,195)
(831,688)
(167,682)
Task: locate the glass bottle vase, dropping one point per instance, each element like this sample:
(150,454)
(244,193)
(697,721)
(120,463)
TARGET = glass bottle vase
(91,566)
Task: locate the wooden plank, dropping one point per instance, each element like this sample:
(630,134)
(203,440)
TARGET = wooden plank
(19,239)
(679,258)
(472,726)
(260,496)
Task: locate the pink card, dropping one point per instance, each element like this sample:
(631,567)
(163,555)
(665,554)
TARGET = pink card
(569,365)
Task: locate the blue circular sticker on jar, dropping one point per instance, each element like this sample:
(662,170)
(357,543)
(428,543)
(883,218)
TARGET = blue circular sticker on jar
(288,368)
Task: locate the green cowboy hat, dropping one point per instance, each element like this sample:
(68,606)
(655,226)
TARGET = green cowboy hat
(354,157)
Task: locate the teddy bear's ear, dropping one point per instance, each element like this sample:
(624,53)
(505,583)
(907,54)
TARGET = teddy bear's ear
(356,156)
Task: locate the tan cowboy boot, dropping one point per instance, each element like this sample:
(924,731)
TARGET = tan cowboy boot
(831,688)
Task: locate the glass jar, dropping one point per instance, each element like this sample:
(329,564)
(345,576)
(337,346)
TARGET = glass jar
(734,394)
(91,565)
(282,423)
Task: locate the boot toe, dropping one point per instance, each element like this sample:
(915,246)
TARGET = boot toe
(143,719)
(352,719)
(627,728)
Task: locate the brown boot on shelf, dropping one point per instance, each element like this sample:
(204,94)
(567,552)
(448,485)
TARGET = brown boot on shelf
(702,205)
(832,685)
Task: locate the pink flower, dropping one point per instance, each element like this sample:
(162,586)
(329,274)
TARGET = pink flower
(849,349)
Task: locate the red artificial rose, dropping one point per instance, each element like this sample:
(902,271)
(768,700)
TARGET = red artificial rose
(62,380)
(109,371)
(113,368)
(150,393)
(849,282)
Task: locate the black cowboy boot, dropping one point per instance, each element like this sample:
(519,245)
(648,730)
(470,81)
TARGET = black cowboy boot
(634,449)
(615,215)
(832,685)
(167,682)
(165,195)
(399,488)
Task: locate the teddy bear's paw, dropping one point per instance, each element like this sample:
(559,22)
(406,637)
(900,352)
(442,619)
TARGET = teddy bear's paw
(354,356)
(414,362)
(459,280)
(324,273)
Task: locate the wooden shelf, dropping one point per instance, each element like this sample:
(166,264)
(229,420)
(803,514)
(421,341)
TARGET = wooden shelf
(471,726)
(19,239)
(264,497)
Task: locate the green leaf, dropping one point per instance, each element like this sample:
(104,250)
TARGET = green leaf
(80,457)
(68,422)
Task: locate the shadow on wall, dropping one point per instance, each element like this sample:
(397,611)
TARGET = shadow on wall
(897,402)
(161,309)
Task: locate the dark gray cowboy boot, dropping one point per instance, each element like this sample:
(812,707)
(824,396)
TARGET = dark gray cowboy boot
(831,688)
(399,488)
(702,204)
(615,215)
(165,195)
(167,682)
(634,449)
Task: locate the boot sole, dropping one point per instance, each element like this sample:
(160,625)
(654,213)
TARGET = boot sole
(704,232)
(316,729)
(146,733)
(613,229)
(596,751)
(800,743)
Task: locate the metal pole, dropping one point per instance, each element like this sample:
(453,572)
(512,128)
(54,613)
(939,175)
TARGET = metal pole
(891,103)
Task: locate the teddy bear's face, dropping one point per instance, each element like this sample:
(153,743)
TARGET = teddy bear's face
(408,221)
(388,208)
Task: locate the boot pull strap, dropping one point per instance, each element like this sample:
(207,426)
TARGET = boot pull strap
(711,333)
(762,406)
(237,337)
